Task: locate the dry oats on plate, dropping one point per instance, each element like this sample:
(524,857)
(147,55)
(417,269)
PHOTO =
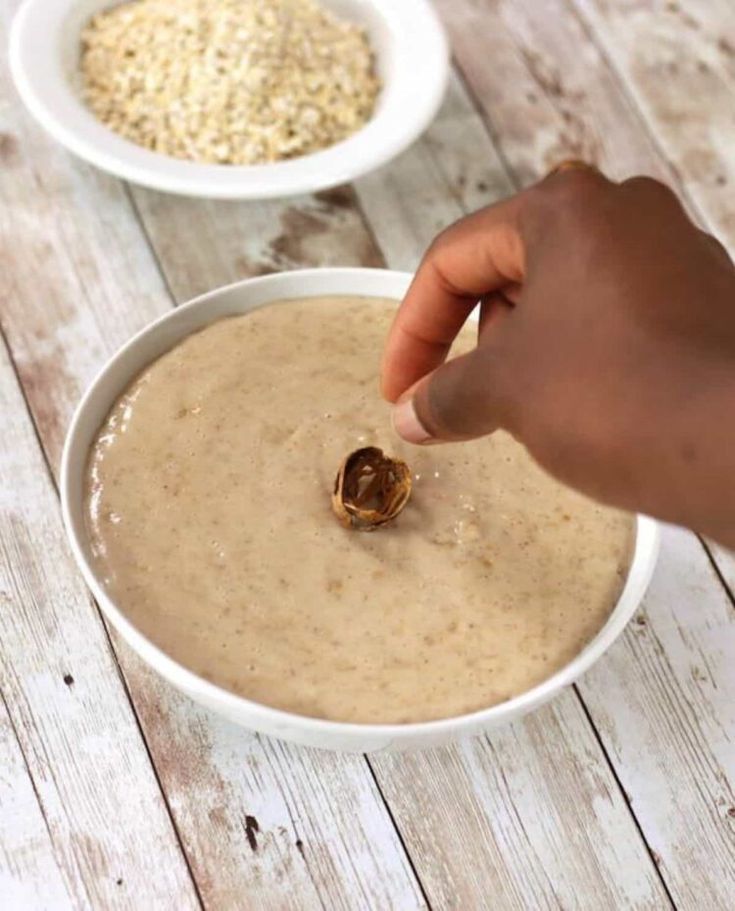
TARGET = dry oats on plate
(228,81)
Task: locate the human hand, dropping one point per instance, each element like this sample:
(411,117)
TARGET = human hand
(606,344)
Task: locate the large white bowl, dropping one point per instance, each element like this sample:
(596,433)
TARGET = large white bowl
(159,337)
(412,59)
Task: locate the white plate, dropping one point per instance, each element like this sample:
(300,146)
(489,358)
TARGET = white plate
(159,337)
(413,63)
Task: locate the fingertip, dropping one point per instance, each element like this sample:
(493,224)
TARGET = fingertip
(406,422)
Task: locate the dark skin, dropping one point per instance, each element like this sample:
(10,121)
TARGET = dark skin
(606,345)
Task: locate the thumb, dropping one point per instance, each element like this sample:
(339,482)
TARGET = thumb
(465,398)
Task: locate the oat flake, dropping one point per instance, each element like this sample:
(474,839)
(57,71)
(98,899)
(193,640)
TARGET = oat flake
(228,81)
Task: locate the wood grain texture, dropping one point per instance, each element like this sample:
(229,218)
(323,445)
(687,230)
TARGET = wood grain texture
(267,823)
(452,170)
(536,791)
(427,187)
(112,837)
(202,244)
(569,102)
(531,817)
(29,874)
(98,285)
(544,89)
(677,61)
(478,819)
(111,834)
(71,256)
(664,703)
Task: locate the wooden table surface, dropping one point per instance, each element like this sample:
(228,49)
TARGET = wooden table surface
(115,791)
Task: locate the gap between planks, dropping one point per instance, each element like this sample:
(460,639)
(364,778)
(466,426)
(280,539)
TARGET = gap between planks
(515,184)
(509,863)
(121,675)
(714,20)
(423,211)
(498,112)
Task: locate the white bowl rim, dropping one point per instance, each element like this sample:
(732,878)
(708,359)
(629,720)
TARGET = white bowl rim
(639,573)
(416,24)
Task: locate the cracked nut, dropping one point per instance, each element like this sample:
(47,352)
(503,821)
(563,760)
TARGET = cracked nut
(370,489)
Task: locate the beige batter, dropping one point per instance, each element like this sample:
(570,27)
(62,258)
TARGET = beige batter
(210,519)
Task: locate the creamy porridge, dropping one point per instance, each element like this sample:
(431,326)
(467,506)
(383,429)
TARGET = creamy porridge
(210,521)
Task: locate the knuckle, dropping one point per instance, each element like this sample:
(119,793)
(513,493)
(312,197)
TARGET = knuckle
(437,244)
(573,188)
(715,246)
(650,188)
(445,238)
(567,201)
(434,257)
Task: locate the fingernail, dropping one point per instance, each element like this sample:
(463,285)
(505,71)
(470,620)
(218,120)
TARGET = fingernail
(571,164)
(407,424)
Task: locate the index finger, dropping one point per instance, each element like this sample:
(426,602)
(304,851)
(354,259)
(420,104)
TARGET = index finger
(475,256)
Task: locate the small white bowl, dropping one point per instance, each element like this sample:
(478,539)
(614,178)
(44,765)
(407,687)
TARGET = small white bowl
(159,337)
(412,60)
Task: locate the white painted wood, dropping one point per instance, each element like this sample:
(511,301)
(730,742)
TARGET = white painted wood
(530,816)
(664,702)
(677,60)
(111,833)
(438,172)
(29,875)
(544,89)
(70,255)
(566,101)
(265,822)
(202,244)
(81,280)
(473,819)
(452,170)
(106,816)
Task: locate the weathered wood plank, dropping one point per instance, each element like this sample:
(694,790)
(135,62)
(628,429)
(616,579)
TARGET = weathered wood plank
(452,170)
(677,60)
(291,829)
(566,101)
(106,815)
(537,792)
(533,816)
(203,244)
(408,202)
(112,837)
(544,90)
(29,875)
(80,281)
(664,702)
